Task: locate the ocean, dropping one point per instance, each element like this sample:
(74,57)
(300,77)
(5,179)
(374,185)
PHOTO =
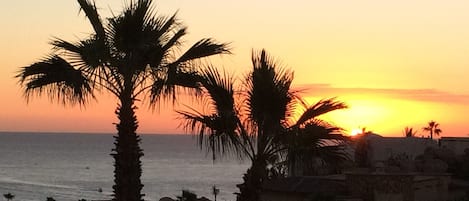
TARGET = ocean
(69,167)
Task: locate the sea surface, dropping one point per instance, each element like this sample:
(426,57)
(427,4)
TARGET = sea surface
(69,167)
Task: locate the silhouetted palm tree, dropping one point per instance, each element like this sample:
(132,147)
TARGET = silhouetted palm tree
(432,128)
(9,196)
(409,132)
(129,55)
(215,192)
(258,122)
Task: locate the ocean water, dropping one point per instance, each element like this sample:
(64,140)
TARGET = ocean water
(70,167)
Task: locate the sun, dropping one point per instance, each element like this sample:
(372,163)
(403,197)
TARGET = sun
(356,131)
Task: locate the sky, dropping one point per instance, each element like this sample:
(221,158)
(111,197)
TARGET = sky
(395,63)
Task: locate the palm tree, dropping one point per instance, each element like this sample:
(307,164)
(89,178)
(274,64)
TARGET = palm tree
(129,55)
(432,128)
(409,132)
(258,122)
(215,192)
(9,196)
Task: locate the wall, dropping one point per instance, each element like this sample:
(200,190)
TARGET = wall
(456,144)
(383,148)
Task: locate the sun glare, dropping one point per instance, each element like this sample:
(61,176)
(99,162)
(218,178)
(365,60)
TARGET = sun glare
(355,131)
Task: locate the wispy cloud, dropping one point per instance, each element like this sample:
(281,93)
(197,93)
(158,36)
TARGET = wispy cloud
(429,95)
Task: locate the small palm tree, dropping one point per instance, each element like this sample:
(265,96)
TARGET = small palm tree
(9,196)
(433,128)
(409,132)
(129,55)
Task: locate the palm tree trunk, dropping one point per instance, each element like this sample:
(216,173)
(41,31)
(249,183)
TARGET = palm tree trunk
(127,153)
(253,178)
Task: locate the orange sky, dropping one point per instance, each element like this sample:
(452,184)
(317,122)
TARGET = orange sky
(396,63)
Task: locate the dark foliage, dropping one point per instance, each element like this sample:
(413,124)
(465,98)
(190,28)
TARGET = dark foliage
(259,122)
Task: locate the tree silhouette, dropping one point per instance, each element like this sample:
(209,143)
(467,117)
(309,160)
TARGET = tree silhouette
(362,150)
(258,122)
(50,199)
(9,196)
(187,196)
(131,54)
(432,128)
(215,192)
(409,132)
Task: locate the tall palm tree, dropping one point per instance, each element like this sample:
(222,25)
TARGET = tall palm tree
(258,121)
(432,128)
(130,54)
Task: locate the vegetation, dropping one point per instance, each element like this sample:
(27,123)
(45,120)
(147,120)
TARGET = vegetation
(8,196)
(258,121)
(409,132)
(130,54)
(362,149)
(190,196)
(432,128)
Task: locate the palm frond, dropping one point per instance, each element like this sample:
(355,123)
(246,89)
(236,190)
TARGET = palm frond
(219,88)
(316,142)
(174,40)
(268,91)
(321,107)
(58,79)
(168,86)
(203,48)
(88,53)
(222,123)
(91,13)
(92,57)
(215,132)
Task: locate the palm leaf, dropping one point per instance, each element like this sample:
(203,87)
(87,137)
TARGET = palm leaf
(58,79)
(219,88)
(91,12)
(214,132)
(203,48)
(315,141)
(268,91)
(320,108)
(220,127)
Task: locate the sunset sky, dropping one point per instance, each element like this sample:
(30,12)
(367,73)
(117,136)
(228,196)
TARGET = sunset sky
(395,63)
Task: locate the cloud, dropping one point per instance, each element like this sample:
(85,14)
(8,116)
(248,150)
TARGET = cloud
(428,95)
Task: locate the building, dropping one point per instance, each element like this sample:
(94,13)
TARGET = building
(381,148)
(382,186)
(457,144)
(359,186)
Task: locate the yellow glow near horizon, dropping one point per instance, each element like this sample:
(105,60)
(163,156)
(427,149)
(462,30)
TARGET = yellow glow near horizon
(383,115)
(355,132)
